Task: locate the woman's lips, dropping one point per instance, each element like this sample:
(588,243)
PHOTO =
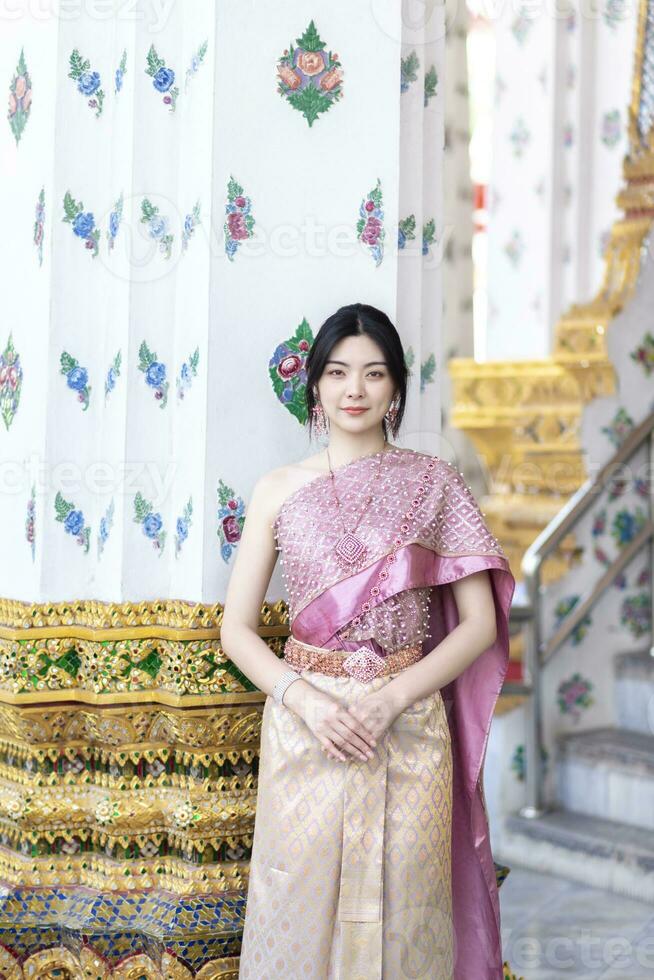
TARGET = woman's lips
(355,411)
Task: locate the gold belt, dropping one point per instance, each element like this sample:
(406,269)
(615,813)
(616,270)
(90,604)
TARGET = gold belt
(362,664)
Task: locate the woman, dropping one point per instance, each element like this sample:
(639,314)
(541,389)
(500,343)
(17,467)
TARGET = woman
(371,855)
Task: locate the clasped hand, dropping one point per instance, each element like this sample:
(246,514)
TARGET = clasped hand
(349,730)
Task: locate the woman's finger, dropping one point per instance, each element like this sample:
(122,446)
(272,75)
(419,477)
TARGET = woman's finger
(353,741)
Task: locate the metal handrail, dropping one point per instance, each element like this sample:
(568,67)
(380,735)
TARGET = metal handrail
(538,652)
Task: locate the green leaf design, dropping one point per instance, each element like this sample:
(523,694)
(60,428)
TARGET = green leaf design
(154,61)
(148,210)
(310,40)
(234,189)
(409,66)
(408,226)
(304,331)
(310,102)
(225,493)
(146,357)
(62,507)
(71,207)
(427,370)
(77,64)
(142,508)
(431,81)
(193,360)
(67,362)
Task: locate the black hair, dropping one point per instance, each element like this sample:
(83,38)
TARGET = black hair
(352,321)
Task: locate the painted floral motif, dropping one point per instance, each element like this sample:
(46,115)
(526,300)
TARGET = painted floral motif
(619,428)
(611,128)
(519,762)
(428,235)
(644,353)
(155,373)
(20,99)
(182,526)
(120,73)
(574,694)
(76,378)
(522,25)
(196,61)
(185,814)
(239,222)
(520,137)
(115,218)
(626,525)
(11,382)
(150,521)
(162,78)
(30,522)
(617,486)
(187,372)
(88,82)
(636,614)
(83,223)
(613,13)
(427,370)
(562,609)
(514,249)
(73,521)
(106,811)
(427,367)
(431,82)
(106,524)
(406,231)
(370,226)
(408,70)
(568,135)
(641,486)
(112,375)
(190,222)
(288,373)
(571,22)
(231,518)
(310,78)
(39,223)
(158,227)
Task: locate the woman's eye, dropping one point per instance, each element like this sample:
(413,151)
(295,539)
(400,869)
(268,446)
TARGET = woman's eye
(379,374)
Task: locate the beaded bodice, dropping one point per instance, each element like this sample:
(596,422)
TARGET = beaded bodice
(308,527)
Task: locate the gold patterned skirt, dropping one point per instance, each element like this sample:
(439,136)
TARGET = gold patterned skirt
(350,876)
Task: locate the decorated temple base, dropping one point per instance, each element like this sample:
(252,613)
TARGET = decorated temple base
(128,784)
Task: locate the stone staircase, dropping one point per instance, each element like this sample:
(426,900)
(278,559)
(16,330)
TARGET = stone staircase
(601,830)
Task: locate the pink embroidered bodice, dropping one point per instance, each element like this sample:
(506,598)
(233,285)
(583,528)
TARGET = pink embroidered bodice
(308,527)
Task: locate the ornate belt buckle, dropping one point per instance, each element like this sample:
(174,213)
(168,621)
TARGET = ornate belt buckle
(363,664)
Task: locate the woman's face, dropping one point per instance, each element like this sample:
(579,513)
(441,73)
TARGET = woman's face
(356,376)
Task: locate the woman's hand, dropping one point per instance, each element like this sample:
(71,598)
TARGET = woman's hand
(340,731)
(344,731)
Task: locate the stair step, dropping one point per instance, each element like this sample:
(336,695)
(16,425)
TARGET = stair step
(607,773)
(634,691)
(603,853)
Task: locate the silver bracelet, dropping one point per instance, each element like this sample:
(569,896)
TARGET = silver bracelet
(282,683)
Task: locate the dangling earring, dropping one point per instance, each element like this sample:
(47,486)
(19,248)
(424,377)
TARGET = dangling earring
(320,422)
(391,414)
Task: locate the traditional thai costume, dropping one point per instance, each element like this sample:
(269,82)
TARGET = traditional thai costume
(379,869)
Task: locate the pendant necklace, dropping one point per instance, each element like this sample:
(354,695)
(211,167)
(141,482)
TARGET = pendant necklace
(350,548)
